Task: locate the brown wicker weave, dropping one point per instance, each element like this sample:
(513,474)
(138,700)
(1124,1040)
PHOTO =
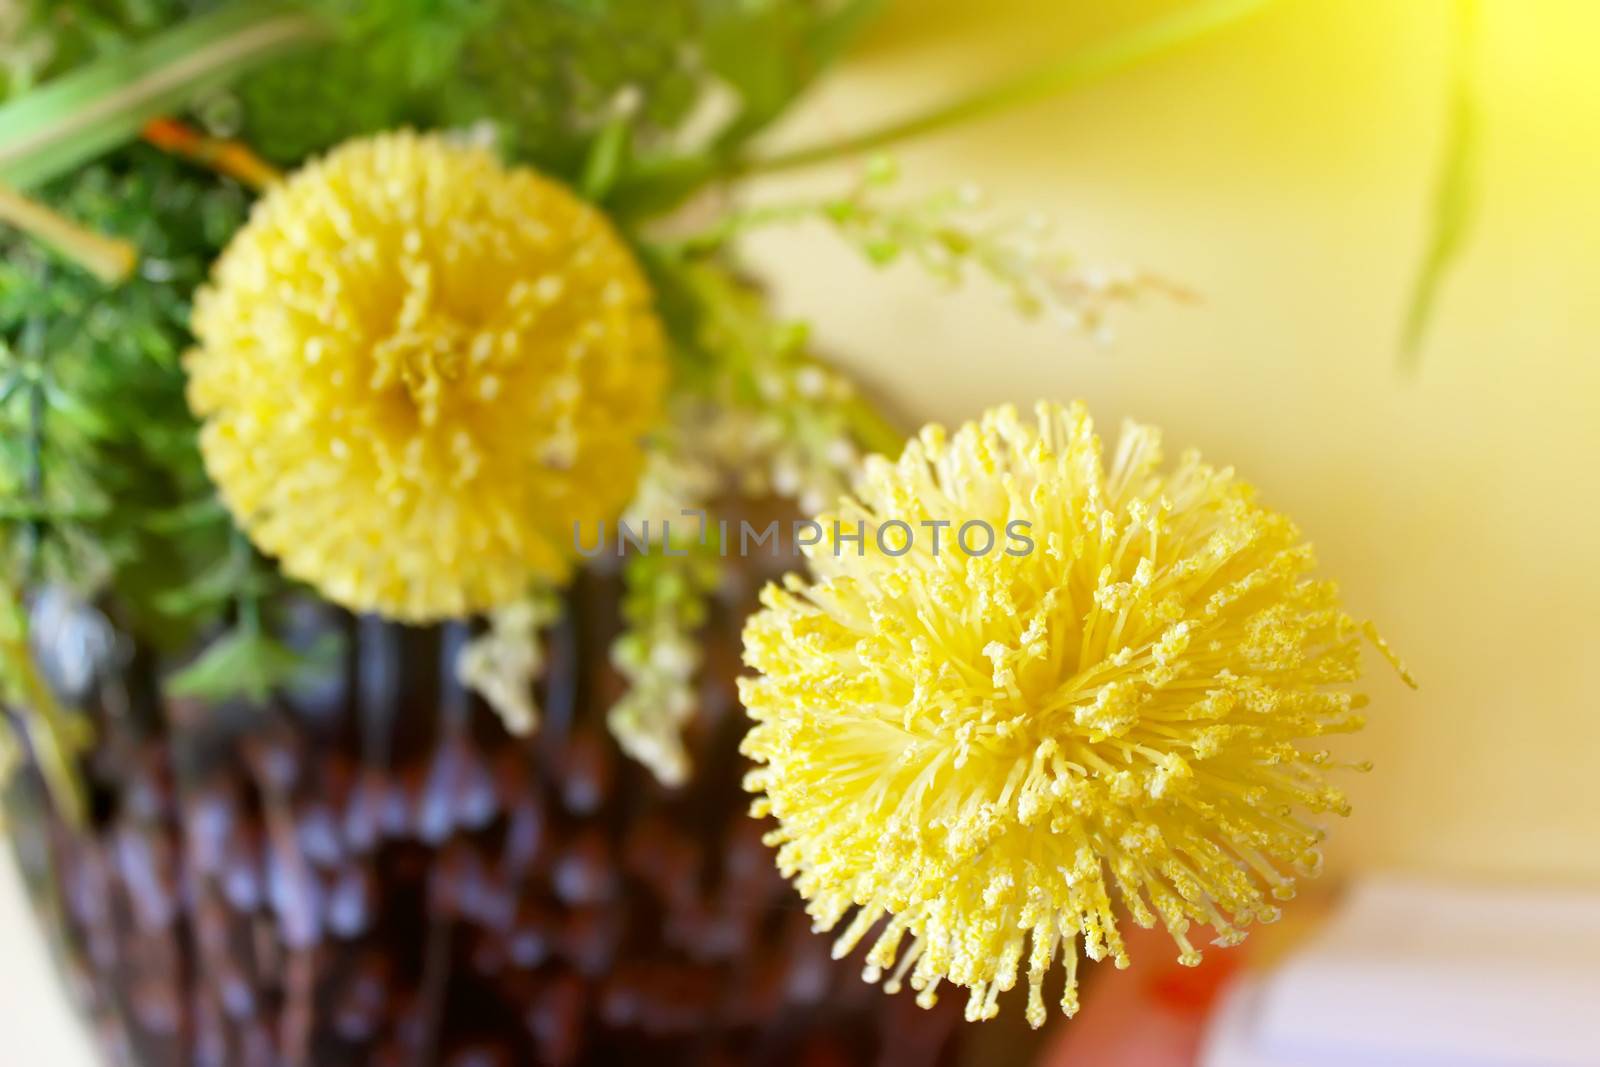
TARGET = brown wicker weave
(377,873)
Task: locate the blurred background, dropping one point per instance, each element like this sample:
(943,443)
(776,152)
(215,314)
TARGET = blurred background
(1283,170)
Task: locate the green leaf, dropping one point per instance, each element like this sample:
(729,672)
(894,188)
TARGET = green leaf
(225,581)
(1454,198)
(771,52)
(67,122)
(767,52)
(83,417)
(188,515)
(608,154)
(247,663)
(54,735)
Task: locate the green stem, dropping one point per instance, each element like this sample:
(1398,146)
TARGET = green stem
(46,724)
(49,730)
(1079,68)
(657,186)
(249,598)
(1454,199)
(33,487)
(872,429)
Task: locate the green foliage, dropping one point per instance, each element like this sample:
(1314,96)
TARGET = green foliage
(245,662)
(387,65)
(84,113)
(669,180)
(771,52)
(954,236)
(556,75)
(558,79)
(552,76)
(756,391)
(101,483)
(765,53)
(42,38)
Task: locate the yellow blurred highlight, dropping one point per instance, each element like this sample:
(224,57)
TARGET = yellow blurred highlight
(1282,169)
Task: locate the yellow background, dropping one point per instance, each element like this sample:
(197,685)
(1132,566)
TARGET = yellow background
(1283,168)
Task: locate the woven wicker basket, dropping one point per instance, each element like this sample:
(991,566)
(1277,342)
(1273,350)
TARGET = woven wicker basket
(377,873)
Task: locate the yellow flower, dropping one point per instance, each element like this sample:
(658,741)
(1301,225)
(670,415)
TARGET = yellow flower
(975,747)
(417,369)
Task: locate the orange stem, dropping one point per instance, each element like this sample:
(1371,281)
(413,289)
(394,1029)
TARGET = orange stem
(232,158)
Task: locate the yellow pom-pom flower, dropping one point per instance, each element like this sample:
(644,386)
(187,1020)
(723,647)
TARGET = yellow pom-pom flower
(417,368)
(1112,684)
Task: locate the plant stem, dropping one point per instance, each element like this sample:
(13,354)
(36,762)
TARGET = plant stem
(656,186)
(232,158)
(50,733)
(1095,61)
(249,599)
(33,487)
(874,431)
(107,258)
(1454,198)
